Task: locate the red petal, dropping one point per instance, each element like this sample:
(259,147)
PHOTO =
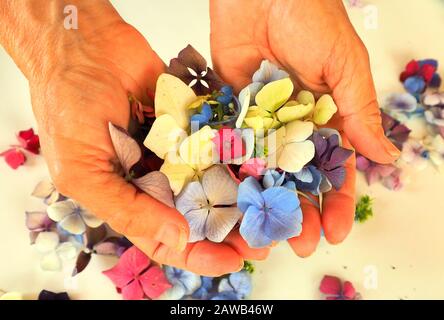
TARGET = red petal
(26,134)
(330,285)
(154,282)
(33,145)
(348,291)
(412,67)
(14,158)
(133,291)
(427,71)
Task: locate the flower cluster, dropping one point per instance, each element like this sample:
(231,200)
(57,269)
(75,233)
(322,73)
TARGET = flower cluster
(65,230)
(233,160)
(420,75)
(29,142)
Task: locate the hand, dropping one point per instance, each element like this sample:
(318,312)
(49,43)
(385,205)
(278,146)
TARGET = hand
(78,84)
(315,42)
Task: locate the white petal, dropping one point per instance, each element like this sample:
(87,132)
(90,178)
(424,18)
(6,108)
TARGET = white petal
(46,241)
(165,136)
(220,222)
(192,197)
(248,138)
(156,184)
(43,189)
(90,219)
(197,220)
(197,149)
(66,250)
(127,150)
(173,97)
(174,293)
(244,99)
(59,210)
(55,195)
(219,187)
(73,224)
(296,155)
(51,262)
(298,131)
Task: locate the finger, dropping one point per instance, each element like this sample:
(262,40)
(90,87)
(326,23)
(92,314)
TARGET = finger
(305,244)
(349,76)
(120,204)
(204,257)
(339,205)
(235,240)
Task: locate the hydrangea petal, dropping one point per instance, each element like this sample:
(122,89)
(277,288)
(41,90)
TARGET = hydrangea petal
(165,136)
(127,150)
(296,155)
(66,250)
(331,285)
(268,72)
(219,187)
(298,131)
(306,97)
(37,220)
(176,292)
(192,197)
(90,219)
(51,262)
(274,94)
(43,189)
(197,220)
(178,174)
(244,98)
(156,184)
(293,110)
(59,210)
(190,281)
(325,108)
(154,282)
(46,241)
(132,291)
(252,228)
(241,283)
(197,149)
(173,97)
(220,222)
(73,224)
(249,194)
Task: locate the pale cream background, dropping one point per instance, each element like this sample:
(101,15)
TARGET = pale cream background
(403,242)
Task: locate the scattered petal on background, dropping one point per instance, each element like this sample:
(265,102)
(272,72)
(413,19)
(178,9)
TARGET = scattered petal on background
(14,158)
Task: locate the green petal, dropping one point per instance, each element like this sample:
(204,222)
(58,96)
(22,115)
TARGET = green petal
(274,94)
(292,110)
(306,97)
(325,108)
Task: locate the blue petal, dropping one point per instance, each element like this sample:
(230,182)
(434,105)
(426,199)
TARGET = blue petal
(310,186)
(249,194)
(414,85)
(252,228)
(227,95)
(226,295)
(241,283)
(188,280)
(203,293)
(431,62)
(436,81)
(281,198)
(290,185)
(207,112)
(199,118)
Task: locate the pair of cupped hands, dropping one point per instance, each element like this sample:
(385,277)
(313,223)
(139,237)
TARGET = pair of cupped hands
(86,85)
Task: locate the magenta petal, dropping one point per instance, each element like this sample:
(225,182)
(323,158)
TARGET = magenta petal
(130,265)
(132,291)
(14,158)
(330,285)
(38,221)
(154,282)
(348,290)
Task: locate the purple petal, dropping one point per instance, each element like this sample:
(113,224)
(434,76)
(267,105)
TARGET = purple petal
(336,177)
(338,157)
(362,163)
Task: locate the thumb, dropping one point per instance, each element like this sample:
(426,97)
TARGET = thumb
(351,80)
(124,208)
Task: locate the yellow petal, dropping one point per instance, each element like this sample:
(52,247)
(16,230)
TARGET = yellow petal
(292,110)
(198,102)
(298,131)
(178,174)
(173,97)
(296,155)
(305,97)
(274,94)
(197,149)
(325,108)
(165,136)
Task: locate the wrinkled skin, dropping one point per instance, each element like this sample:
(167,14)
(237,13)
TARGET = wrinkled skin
(315,42)
(77,87)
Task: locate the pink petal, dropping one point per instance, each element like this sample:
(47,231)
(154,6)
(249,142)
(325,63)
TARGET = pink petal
(154,282)
(385,170)
(130,265)
(29,140)
(252,168)
(372,175)
(330,285)
(14,158)
(133,291)
(26,134)
(348,290)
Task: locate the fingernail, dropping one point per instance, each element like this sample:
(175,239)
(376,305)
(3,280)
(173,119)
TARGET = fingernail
(172,236)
